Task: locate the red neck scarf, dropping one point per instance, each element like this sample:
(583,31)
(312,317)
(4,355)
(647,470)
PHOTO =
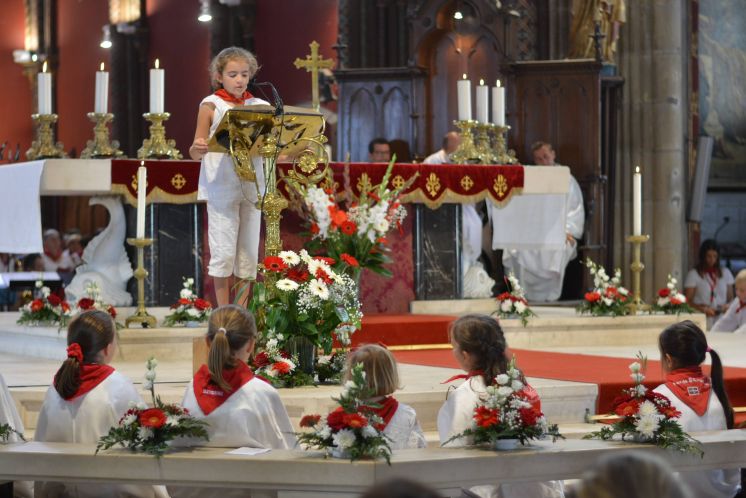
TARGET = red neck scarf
(691,386)
(388,407)
(223,94)
(465,376)
(712,280)
(91,375)
(741,305)
(209,396)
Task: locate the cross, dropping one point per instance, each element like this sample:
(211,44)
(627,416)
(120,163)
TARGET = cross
(312,63)
(597,39)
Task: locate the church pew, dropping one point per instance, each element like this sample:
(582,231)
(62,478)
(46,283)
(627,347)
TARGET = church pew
(307,475)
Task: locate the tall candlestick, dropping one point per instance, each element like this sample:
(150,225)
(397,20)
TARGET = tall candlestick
(637,202)
(142,183)
(101,103)
(157,78)
(498,104)
(44,90)
(463,88)
(483,103)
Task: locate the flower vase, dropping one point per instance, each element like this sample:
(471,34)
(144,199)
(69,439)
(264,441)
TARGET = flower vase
(193,324)
(339,453)
(305,351)
(506,444)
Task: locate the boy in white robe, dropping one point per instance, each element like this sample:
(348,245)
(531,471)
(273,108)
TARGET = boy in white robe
(734,320)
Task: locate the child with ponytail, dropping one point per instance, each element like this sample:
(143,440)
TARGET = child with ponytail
(480,349)
(87,398)
(683,349)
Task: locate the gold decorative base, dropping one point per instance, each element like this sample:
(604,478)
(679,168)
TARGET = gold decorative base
(503,155)
(484,151)
(44,146)
(467,151)
(141,316)
(158,146)
(100,146)
(637,304)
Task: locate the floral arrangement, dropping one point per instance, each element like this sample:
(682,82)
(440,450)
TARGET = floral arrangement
(6,431)
(308,299)
(329,368)
(189,307)
(351,430)
(647,416)
(354,237)
(47,309)
(150,430)
(608,297)
(513,302)
(278,367)
(670,301)
(508,413)
(93,301)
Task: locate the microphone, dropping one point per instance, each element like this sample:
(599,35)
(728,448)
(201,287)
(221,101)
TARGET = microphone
(277,101)
(726,220)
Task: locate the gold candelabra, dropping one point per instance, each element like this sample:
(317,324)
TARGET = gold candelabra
(466,151)
(44,146)
(273,201)
(503,155)
(141,316)
(101,146)
(484,150)
(637,304)
(158,146)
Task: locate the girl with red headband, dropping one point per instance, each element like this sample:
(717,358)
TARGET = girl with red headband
(87,398)
(702,400)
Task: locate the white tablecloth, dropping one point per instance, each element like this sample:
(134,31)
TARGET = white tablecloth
(20,212)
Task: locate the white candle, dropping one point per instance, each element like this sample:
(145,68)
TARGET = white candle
(637,202)
(483,104)
(44,90)
(101,103)
(142,183)
(463,88)
(157,78)
(498,104)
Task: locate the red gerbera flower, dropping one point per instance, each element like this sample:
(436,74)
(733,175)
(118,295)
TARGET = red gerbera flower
(338,216)
(261,360)
(86,303)
(37,305)
(281,367)
(486,417)
(329,261)
(310,420)
(665,292)
(349,259)
(274,263)
(153,418)
(54,300)
(322,275)
(202,305)
(354,420)
(529,416)
(297,275)
(335,420)
(348,228)
(65,306)
(592,297)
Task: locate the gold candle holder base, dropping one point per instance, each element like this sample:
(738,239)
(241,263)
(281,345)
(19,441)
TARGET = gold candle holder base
(100,146)
(141,316)
(44,146)
(637,304)
(503,155)
(484,151)
(467,151)
(158,146)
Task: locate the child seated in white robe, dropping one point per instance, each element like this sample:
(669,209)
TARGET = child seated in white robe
(734,319)
(240,408)
(87,398)
(479,348)
(382,377)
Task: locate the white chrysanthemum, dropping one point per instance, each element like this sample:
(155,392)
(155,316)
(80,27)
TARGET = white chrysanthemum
(502,379)
(520,307)
(289,258)
(607,301)
(185,293)
(129,419)
(647,425)
(286,285)
(324,431)
(319,289)
(145,433)
(517,385)
(647,409)
(194,312)
(369,431)
(506,306)
(344,439)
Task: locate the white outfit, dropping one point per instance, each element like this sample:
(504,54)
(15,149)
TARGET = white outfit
(85,419)
(65,262)
(733,320)
(542,271)
(457,414)
(439,157)
(252,416)
(9,415)
(703,294)
(404,430)
(719,483)
(233,219)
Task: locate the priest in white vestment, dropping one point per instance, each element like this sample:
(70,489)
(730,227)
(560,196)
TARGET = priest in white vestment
(541,271)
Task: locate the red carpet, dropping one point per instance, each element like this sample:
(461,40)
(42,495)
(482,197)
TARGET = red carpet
(611,374)
(403,330)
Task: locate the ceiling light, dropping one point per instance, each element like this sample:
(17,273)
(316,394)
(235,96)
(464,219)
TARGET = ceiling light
(204,11)
(106,40)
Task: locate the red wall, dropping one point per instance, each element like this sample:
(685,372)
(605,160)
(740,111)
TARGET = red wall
(15,91)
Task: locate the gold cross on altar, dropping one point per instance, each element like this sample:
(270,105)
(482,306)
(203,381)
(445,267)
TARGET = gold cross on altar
(312,63)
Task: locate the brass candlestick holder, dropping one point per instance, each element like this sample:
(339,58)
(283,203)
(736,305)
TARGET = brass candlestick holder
(637,267)
(44,146)
(467,151)
(484,151)
(100,146)
(503,155)
(158,146)
(273,201)
(141,316)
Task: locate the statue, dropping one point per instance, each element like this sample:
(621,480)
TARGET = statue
(609,14)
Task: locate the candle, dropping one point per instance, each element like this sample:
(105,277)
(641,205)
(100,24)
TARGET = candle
(463,88)
(142,183)
(157,77)
(637,202)
(498,104)
(483,103)
(44,90)
(101,103)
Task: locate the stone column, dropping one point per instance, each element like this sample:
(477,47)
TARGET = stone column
(653,59)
